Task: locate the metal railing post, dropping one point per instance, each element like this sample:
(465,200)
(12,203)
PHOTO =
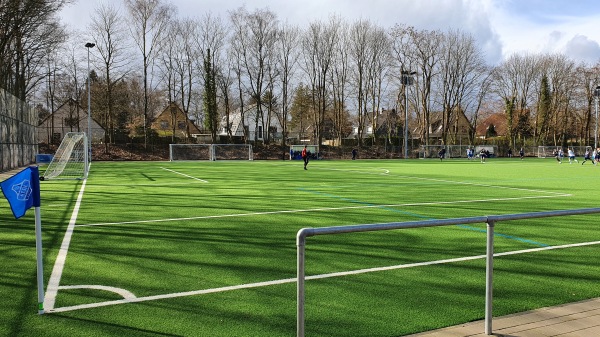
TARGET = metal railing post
(300,244)
(489,277)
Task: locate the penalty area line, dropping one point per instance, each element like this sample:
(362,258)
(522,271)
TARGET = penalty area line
(185,175)
(311,277)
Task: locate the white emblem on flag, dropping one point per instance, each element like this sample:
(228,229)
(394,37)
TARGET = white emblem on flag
(23,190)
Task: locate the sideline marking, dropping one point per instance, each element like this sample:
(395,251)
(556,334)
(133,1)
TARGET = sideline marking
(183,174)
(318,210)
(312,277)
(59,264)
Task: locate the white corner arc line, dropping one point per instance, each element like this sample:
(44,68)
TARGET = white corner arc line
(312,277)
(185,175)
(59,264)
(124,293)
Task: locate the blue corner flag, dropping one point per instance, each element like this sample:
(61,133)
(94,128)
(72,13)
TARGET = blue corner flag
(22,191)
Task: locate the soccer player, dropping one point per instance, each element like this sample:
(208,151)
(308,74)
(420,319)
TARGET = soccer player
(442,153)
(587,156)
(522,153)
(305,156)
(571,155)
(556,154)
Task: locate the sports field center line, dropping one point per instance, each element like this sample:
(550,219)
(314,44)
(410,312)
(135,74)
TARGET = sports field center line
(183,174)
(323,209)
(311,277)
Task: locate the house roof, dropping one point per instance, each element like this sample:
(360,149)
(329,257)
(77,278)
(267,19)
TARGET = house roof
(498,120)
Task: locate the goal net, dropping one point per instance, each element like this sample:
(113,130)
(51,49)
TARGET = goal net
(546,151)
(232,152)
(71,159)
(296,151)
(210,152)
(190,152)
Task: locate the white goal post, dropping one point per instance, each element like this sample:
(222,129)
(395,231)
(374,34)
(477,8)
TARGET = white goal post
(296,151)
(210,152)
(71,160)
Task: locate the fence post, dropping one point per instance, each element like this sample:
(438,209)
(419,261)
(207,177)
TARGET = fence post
(489,277)
(300,244)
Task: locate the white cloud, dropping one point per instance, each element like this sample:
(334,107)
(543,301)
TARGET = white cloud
(502,27)
(582,48)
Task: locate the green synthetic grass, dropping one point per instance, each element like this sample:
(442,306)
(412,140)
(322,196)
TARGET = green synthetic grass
(151,229)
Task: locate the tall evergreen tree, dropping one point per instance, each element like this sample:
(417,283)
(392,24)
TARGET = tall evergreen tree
(543,114)
(211,120)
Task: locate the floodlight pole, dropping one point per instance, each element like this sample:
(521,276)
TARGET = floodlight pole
(596,97)
(406,81)
(89,116)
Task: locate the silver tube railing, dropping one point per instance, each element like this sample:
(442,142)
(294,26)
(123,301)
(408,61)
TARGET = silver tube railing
(489,220)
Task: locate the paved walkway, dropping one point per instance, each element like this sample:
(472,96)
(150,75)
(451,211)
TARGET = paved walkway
(579,319)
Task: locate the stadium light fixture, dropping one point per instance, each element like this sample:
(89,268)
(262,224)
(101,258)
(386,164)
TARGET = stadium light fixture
(407,79)
(89,116)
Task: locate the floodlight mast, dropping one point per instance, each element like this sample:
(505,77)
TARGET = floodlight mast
(89,116)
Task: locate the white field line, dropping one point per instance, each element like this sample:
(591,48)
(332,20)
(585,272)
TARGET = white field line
(313,277)
(183,174)
(59,264)
(449,181)
(324,209)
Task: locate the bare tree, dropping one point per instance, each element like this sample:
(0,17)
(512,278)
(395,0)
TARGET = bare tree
(27,30)
(148,22)
(287,46)
(319,45)
(515,82)
(255,35)
(462,69)
(359,52)
(109,36)
(340,76)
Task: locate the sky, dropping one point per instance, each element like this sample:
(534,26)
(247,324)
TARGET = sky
(502,27)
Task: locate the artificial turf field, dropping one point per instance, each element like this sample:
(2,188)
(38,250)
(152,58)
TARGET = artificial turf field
(209,248)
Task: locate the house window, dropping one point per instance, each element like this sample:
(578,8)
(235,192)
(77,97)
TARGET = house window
(259,132)
(181,125)
(164,124)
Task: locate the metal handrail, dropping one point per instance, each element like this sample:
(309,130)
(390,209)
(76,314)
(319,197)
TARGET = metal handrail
(489,220)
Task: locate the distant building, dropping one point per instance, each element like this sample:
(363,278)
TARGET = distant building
(172,121)
(69,117)
(256,128)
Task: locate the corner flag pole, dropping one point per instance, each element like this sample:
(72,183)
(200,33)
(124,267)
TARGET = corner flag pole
(22,191)
(39,259)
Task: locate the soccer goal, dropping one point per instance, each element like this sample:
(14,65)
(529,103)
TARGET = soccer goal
(432,151)
(210,152)
(546,151)
(190,152)
(232,152)
(71,160)
(296,151)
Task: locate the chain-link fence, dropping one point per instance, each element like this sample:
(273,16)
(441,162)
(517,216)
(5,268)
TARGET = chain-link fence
(18,143)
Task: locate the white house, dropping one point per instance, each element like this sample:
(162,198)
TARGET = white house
(69,117)
(255,126)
